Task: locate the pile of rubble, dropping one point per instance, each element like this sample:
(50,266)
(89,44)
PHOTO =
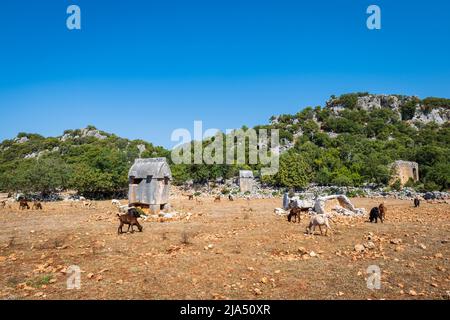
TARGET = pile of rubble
(261,191)
(230,188)
(372,192)
(333,204)
(170,216)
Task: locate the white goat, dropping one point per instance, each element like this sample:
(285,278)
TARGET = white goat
(319,220)
(116,203)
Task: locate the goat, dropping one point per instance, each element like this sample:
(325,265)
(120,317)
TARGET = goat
(230,197)
(319,220)
(88,204)
(416,202)
(375,214)
(2,203)
(190,197)
(37,205)
(23,204)
(129,219)
(295,212)
(383,210)
(217,199)
(116,203)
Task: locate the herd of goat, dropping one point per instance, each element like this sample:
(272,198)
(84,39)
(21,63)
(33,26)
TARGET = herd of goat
(128,215)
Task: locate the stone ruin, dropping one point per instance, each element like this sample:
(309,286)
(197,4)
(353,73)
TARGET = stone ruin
(405,170)
(246,181)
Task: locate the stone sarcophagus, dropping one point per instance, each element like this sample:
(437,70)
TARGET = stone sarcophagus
(149,183)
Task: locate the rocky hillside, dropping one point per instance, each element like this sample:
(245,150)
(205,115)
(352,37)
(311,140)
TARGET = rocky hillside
(350,141)
(407,108)
(410,109)
(91,161)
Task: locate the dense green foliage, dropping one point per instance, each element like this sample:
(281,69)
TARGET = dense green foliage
(92,166)
(349,148)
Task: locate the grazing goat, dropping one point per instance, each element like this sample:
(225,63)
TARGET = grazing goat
(123,209)
(23,204)
(230,197)
(319,220)
(383,210)
(376,214)
(116,203)
(129,219)
(2,203)
(217,199)
(37,205)
(190,197)
(88,204)
(416,202)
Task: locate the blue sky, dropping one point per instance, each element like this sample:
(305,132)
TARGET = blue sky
(141,69)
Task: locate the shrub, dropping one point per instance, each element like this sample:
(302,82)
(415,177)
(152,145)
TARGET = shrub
(397,185)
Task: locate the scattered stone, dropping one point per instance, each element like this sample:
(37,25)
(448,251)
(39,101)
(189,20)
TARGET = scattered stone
(396,241)
(359,248)
(257,291)
(369,245)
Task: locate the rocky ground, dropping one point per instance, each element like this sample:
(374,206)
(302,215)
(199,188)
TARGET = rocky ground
(231,250)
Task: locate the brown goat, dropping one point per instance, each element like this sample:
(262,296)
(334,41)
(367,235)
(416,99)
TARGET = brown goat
(296,212)
(23,204)
(383,210)
(190,197)
(217,199)
(37,205)
(2,203)
(130,220)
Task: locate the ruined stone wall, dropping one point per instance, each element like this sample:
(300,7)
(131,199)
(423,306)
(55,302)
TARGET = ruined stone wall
(404,170)
(246,184)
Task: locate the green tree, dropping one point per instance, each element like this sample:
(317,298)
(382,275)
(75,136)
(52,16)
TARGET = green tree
(294,171)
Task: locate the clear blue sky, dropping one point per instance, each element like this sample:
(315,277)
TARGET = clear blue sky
(143,68)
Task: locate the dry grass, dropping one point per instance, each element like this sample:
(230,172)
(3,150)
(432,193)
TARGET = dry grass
(225,251)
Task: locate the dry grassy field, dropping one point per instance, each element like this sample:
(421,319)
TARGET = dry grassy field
(231,250)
